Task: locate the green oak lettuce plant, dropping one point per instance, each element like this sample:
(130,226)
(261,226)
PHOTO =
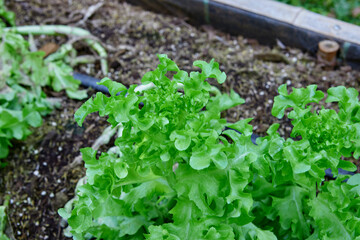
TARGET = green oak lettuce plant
(22,102)
(3,220)
(6,17)
(23,74)
(292,196)
(177,173)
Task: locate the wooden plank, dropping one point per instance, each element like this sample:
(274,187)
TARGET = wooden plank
(299,17)
(266,21)
(272,9)
(328,26)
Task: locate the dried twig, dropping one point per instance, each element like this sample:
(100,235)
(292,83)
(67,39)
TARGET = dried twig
(90,11)
(103,139)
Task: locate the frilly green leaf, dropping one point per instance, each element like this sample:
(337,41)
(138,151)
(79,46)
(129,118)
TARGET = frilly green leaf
(211,70)
(114,87)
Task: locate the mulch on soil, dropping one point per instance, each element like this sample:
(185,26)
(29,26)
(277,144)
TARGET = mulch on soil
(34,178)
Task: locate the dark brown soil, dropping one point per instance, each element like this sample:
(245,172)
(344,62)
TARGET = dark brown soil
(34,178)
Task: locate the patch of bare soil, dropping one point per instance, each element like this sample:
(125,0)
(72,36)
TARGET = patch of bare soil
(34,178)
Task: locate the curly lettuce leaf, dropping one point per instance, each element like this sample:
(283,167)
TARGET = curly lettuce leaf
(183,172)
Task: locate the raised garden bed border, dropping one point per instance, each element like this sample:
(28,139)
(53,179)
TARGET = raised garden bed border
(267,21)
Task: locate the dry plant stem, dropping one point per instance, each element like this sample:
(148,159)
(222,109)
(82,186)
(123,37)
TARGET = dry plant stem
(90,11)
(32,44)
(66,30)
(142,88)
(103,139)
(145,87)
(82,59)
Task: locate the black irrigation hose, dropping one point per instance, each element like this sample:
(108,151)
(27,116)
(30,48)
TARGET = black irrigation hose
(88,81)
(341,171)
(253,136)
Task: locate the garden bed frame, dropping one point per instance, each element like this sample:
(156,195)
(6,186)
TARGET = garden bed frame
(267,21)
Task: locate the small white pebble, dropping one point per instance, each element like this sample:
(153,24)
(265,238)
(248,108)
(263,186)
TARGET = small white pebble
(36,223)
(294,59)
(36,151)
(36,173)
(53,124)
(18,233)
(261,93)
(51,195)
(60,149)
(43,193)
(29,200)
(44,163)
(20,214)
(58,181)
(324,78)
(270,101)
(288,82)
